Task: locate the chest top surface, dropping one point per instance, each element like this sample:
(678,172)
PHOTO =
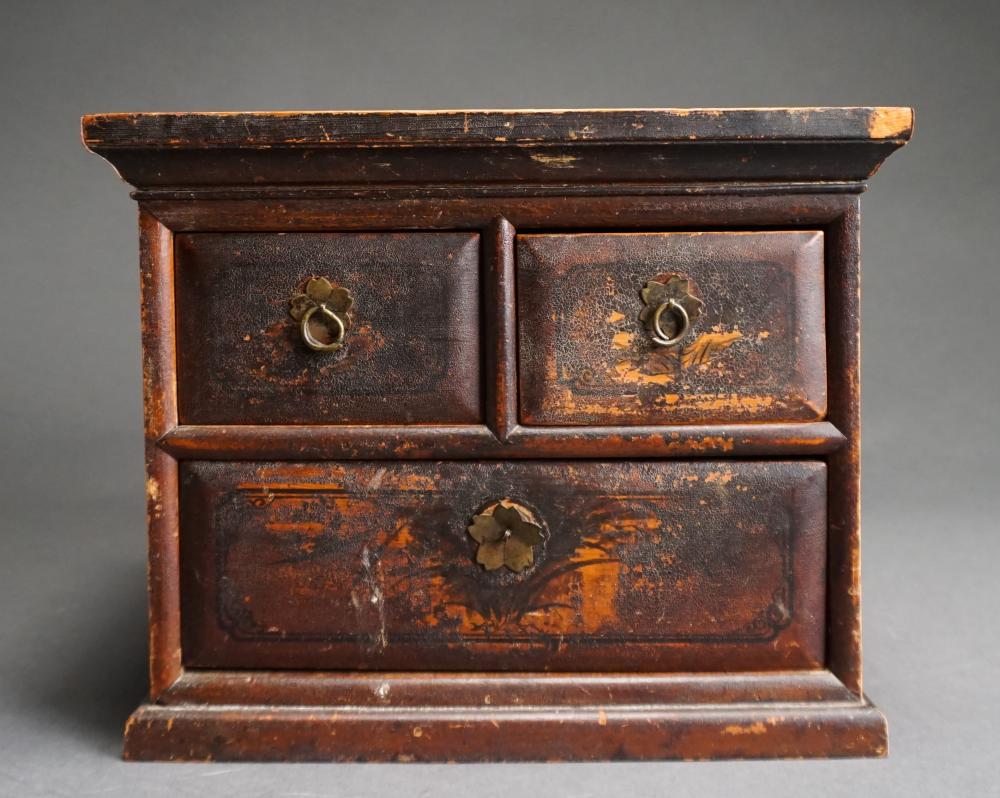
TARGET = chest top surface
(156,150)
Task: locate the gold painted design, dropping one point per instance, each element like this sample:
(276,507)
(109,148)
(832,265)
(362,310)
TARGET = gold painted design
(707,347)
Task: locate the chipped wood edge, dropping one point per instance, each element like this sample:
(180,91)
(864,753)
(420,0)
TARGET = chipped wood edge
(890,123)
(407,128)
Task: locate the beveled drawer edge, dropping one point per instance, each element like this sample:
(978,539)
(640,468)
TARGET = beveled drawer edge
(695,440)
(318,442)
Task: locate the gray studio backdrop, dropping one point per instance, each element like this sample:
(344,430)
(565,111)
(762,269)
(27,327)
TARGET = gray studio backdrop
(72,611)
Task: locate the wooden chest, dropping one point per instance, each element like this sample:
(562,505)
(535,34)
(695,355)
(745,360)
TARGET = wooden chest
(502,435)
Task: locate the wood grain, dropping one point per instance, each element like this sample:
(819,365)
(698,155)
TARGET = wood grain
(412,354)
(844,314)
(550,734)
(757,352)
(298,129)
(408,689)
(708,565)
(276,442)
(500,328)
(370,210)
(156,272)
(205,151)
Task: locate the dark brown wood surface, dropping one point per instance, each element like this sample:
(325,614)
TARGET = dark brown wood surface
(407,689)
(159,352)
(487,178)
(243,441)
(692,207)
(709,565)
(412,354)
(483,734)
(757,352)
(492,127)
(204,151)
(843,286)
(507,168)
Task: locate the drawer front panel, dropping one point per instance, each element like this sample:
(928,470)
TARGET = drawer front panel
(637,566)
(754,350)
(410,351)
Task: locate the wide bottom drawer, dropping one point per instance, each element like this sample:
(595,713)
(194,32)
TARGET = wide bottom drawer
(569,566)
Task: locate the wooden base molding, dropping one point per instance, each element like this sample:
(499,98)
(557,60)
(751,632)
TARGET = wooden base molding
(480,734)
(480,717)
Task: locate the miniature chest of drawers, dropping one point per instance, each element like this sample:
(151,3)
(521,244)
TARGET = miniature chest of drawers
(502,435)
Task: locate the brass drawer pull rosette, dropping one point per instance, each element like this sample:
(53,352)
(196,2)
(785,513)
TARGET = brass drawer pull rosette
(671,302)
(332,304)
(507,535)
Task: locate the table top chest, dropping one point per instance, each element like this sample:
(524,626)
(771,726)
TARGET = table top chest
(495,435)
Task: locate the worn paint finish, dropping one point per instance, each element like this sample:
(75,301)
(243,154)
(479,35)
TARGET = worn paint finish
(502,175)
(411,355)
(301,129)
(888,123)
(509,147)
(643,566)
(241,442)
(533,734)
(756,353)
(159,349)
(416,689)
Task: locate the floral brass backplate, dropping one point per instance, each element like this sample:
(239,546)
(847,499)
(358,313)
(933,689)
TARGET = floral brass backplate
(675,294)
(329,301)
(507,536)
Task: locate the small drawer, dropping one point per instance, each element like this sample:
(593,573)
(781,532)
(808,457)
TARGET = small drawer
(671,328)
(328,328)
(585,566)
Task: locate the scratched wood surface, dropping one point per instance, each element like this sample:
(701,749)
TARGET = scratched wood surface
(411,690)
(756,353)
(644,566)
(411,355)
(339,128)
(199,152)
(307,544)
(483,734)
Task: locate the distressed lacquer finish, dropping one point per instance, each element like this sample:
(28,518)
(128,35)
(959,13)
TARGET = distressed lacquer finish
(756,349)
(445,148)
(684,580)
(411,356)
(707,565)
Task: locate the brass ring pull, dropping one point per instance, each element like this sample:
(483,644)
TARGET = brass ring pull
(676,296)
(675,307)
(332,302)
(312,341)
